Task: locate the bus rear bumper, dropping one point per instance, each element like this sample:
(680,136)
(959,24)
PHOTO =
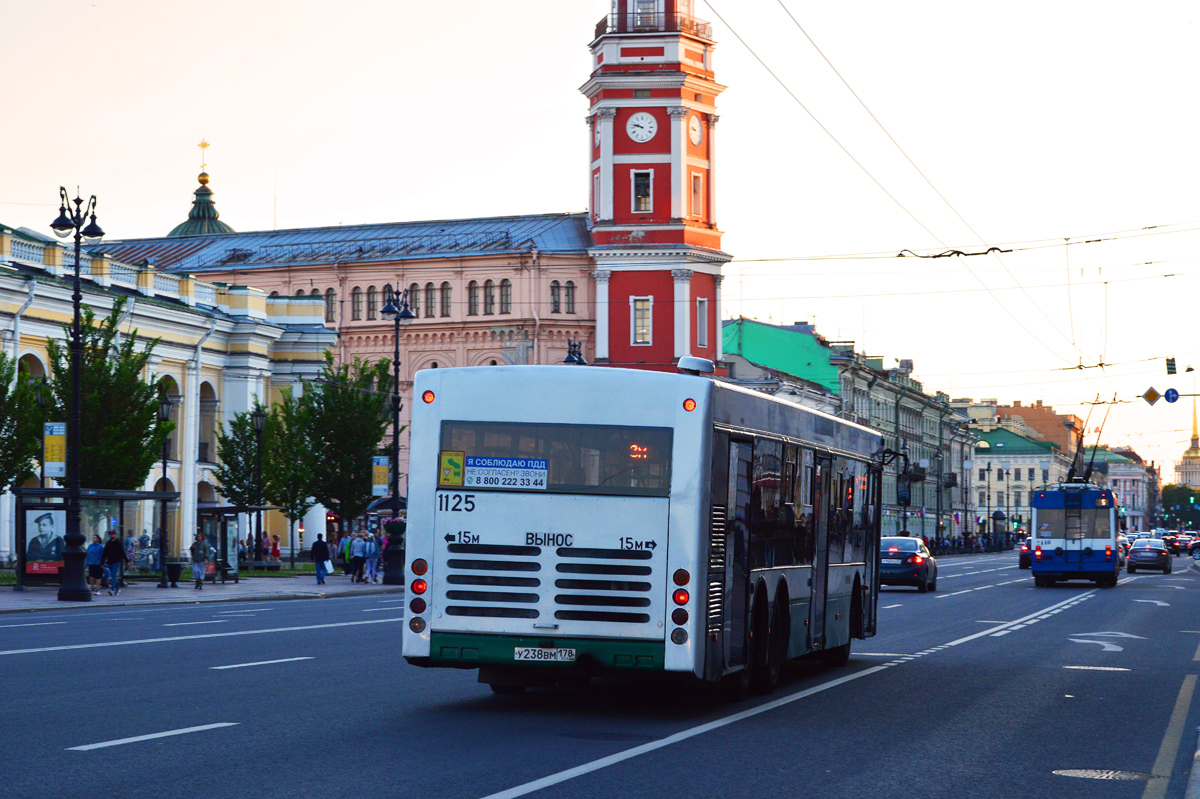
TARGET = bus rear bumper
(592,655)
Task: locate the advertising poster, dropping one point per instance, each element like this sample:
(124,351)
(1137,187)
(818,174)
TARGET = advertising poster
(44,547)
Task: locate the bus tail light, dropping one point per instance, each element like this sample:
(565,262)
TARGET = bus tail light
(1037,553)
(689,405)
(419,567)
(418,605)
(680,596)
(417,625)
(1108,552)
(427,397)
(679,616)
(681,577)
(419,586)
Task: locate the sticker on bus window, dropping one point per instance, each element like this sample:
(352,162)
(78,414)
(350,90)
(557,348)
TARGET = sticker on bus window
(450,470)
(519,474)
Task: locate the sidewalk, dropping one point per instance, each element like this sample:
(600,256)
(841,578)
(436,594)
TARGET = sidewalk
(251,589)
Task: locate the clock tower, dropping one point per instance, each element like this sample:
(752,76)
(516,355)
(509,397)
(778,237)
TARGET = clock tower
(652,146)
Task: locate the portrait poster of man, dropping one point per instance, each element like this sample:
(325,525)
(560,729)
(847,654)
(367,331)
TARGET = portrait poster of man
(44,530)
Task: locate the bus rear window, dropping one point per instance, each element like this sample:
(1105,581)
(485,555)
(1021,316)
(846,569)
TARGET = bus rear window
(579,459)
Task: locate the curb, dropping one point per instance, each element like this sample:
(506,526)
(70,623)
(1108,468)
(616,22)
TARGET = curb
(1193,784)
(382,589)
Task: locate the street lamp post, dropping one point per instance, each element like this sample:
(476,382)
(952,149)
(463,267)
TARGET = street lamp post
(259,420)
(164,416)
(396,308)
(74,586)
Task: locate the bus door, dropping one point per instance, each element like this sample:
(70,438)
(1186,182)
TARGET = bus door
(1073,526)
(737,569)
(820,571)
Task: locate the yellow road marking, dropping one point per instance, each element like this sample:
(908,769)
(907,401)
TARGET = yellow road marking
(1157,788)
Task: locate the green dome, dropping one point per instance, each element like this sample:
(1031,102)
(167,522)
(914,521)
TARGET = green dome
(203,218)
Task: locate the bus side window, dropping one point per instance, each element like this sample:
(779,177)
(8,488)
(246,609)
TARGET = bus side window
(789,511)
(765,501)
(803,540)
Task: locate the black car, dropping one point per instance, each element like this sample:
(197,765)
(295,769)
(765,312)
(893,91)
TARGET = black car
(907,561)
(1148,553)
(1023,560)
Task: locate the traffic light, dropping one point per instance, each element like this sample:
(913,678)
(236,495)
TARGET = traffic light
(1170,366)
(1192,499)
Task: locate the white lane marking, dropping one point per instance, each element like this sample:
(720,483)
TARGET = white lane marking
(991,621)
(604,762)
(249,610)
(889,607)
(879,655)
(1025,620)
(1108,646)
(197,637)
(1002,632)
(151,737)
(259,663)
(1110,634)
(34,624)
(956,593)
(1097,668)
(1154,602)
(190,623)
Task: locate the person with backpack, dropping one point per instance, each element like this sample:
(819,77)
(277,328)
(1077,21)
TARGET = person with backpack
(113,559)
(372,559)
(199,552)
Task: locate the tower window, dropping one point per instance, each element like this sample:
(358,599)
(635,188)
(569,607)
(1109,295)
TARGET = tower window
(701,322)
(555,297)
(644,13)
(330,305)
(414,298)
(430,299)
(445,299)
(356,304)
(569,296)
(489,297)
(642,200)
(640,321)
(641,93)
(697,194)
(372,302)
(472,298)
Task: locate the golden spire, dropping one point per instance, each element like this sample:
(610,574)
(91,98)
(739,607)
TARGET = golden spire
(203,145)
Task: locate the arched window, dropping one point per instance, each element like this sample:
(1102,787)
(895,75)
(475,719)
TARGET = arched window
(430,299)
(489,297)
(570,298)
(315,293)
(330,305)
(301,293)
(414,299)
(472,298)
(555,297)
(372,302)
(356,304)
(445,299)
(274,294)
(505,296)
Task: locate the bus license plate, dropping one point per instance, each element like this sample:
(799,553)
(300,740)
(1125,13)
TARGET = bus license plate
(543,655)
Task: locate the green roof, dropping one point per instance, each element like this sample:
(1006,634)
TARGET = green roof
(203,218)
(1006,442)
(1105,454)
(781,349)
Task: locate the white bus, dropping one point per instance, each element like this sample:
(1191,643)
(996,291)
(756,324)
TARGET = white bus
(568,521)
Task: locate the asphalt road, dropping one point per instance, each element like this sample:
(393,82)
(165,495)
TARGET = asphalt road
(985,688)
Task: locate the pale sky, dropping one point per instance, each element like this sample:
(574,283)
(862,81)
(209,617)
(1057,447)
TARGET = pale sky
(1040,122)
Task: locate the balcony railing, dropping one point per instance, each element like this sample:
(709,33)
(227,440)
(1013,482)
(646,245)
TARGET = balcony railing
(645,22)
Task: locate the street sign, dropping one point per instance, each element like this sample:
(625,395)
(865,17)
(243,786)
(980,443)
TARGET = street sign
(1151,396)
(1170,395)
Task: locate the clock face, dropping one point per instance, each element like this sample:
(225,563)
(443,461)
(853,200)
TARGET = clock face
(695,131)
(641,127)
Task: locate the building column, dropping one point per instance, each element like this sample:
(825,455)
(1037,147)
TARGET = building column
(712,169)
(601,277)
(606,117)
(679,115)
(720,329)
(683,311)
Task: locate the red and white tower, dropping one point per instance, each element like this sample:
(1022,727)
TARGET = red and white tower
(653,189)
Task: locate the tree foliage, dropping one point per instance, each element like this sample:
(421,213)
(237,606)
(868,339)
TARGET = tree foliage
(20,426)
(1181,506)
(237,451)
(348,410)
(287,465)
(121,436)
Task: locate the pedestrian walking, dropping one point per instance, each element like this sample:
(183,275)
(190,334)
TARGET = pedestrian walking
(113,558)
(344,548)
(372,558)
(358,556)
(275,553)
(320,554)
(95,562)
(199,550)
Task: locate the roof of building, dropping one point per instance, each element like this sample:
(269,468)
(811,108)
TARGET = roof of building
(203,218)
(455,238)
(786,349)
(1001,441)
(1105,454)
